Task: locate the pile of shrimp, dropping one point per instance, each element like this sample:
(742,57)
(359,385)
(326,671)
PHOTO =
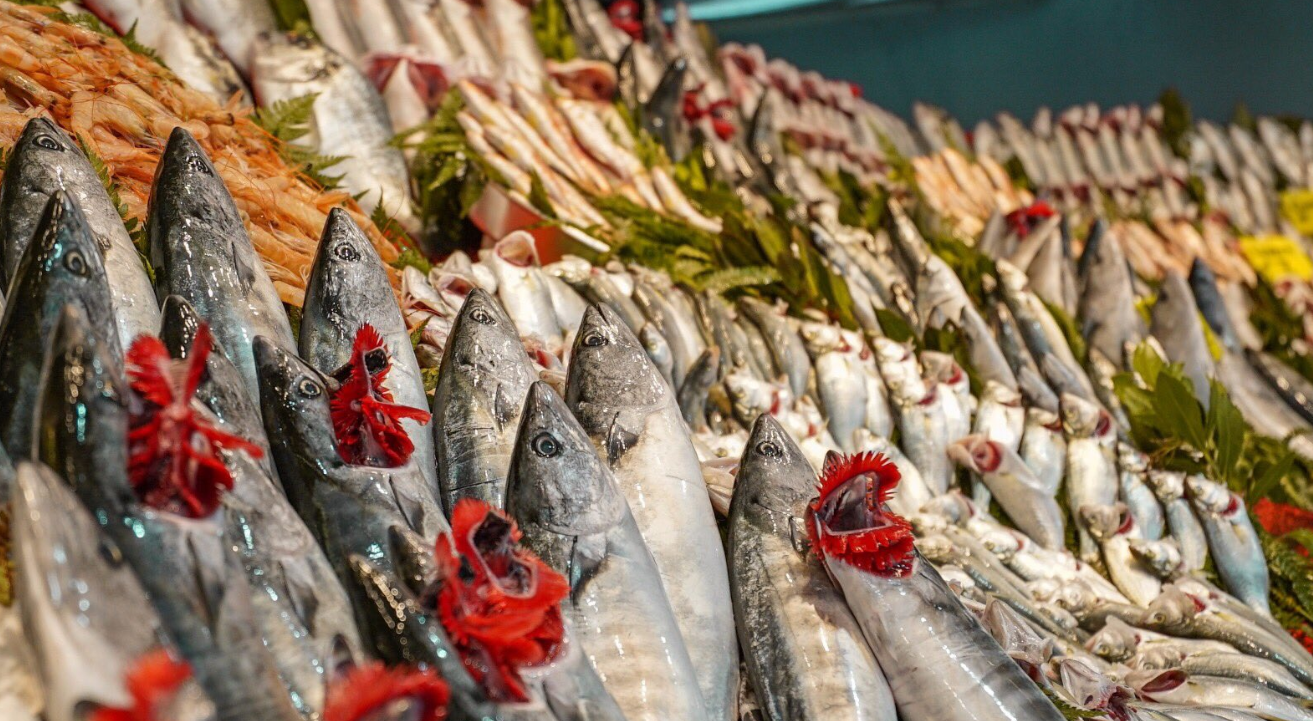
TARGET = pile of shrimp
(122,107)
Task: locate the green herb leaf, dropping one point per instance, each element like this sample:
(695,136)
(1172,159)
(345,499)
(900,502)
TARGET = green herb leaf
(1180,410)
(288,121)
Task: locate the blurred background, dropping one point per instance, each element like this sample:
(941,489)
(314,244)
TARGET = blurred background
(977,57)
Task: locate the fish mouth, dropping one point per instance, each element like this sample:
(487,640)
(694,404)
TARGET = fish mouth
(848,521)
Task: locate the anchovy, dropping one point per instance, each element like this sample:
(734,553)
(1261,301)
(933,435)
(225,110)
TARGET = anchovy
(60,268)
(805,652)
(43,160)
(484,378)
(575,517)
(201,252)
(632,417)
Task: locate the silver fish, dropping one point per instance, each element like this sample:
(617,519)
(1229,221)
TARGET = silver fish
(1232,540)
(523,291)
(839,383)
(1107,302)
(484,378)
(1113,527)
(234,25)
(1133,467)
(805,652)
(1091,466)
(1184,527)
(784,343)
(1176,325)
(1223,664)
(632,417)
(1174,686)
(1044,448)
(1021,495)
(201,252)
(43,160)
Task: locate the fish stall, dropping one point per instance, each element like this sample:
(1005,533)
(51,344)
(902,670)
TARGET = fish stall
(546,361)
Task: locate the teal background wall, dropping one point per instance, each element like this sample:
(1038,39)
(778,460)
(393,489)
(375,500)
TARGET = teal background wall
(978,57)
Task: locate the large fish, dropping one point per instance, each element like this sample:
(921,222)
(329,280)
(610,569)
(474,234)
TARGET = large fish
(482,384)
(45,159)
(186,564)
(349,289)
(632,417)
(1107,302)
(60,268)
(1177,327)
(805,652)
(89,619)
(201,252)
(575,518)
(939,661)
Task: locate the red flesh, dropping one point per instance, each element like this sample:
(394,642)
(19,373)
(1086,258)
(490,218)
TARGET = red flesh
(883,545)
(366,421)
(371,687)
(151,682)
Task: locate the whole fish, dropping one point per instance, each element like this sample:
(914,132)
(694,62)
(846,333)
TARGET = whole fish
(1223,664)
(1044,449)
(298,598)
(1107,301)
(983,350)
(1176,326)
(1133,467)
(1232,541)
(1174,686)
(1182,524)
(1000,416)
(681,333)
(576,519)
(841,386)
(1113,528)
(352,510)
(939,661)
(186,565)
(1030,382)
(201,252)
(1041,333)
(805,652)
(1016,488)
(523,291)
(1091,466)
(692,395)
(60,268)
(350,120)
(632,417)
(349,289)
(234,24)
(89,619)
(482,384)
(954,391)
(43,160)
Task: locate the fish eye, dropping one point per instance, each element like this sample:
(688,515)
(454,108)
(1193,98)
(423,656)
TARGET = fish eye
(546,445)
(309,388)
(347,252)
(48,142)
(770,448)
(594,339)
(76,263)
(197,164)
(481,315)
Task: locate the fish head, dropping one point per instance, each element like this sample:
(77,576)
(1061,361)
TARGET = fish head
(294,400)
(484,346)
(1163,557)
(925,524)
(1015,634)
(68,575)
(849,522)
(1173,608)
(1152,683)
(1157,658)
(1037,417)
(43,160)
(188,193)
(609,366)
(1083,419)
(1011,277)
(517,250)
(222,390)
(1105,521)
(61,265)
(82,414)
(1001,542)
(557,482)
(1116,641)
(453,288)
(1209,496)
(1131,459)
(1001,394)
(750,396)
(976,453)
(820,338)
(1167,486)
(937,549)
(774,481)
(953,506)
(940,367)
(288,65)
(347,273)
(1090,688)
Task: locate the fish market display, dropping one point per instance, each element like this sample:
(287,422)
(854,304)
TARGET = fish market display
(663,381)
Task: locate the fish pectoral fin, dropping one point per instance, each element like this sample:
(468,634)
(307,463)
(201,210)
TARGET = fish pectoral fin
(409,506)
(798,535)
(208,570)
(301,593)
(618,440)
(245,273)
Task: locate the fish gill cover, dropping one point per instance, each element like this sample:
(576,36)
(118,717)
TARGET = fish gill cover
(848,522)
(366,421)
(499,603)
(174,460)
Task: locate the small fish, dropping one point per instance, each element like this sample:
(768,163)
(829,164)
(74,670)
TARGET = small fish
(840,384)
(1091,467)
(1107,303)
(523,291)
(1176,325)
(1232,541)
(1043,448)
(1113,527)
(1174,686)
(1182,524)
(1021,495)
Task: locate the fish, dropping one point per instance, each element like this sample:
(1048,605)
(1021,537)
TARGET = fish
(350,120)
(1109,319)
(88,617)
(576,519)
(1040,332)
(1223,664)
(351,509)
(1182,524)
(200,252)
(842,388)
(298,598)
(43,160)
(805,652)
(954,390)
(1091,467)
(523,291)
(60,268)
(692,395)
(1043,448)
(234,25)
(939,662)
(195,582)
(1139,498)
(1177,327)
(1113,527)
(1174,686)
(632,417)
(983,350)
(1233,543)
(680,333)
(484,378)
(348,289)
(1016,488)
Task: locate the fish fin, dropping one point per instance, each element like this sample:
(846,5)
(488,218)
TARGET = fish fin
(411,509)
(415,564)
(618,441)
(798,535)
(301,593)
(208,565)
(245,273)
